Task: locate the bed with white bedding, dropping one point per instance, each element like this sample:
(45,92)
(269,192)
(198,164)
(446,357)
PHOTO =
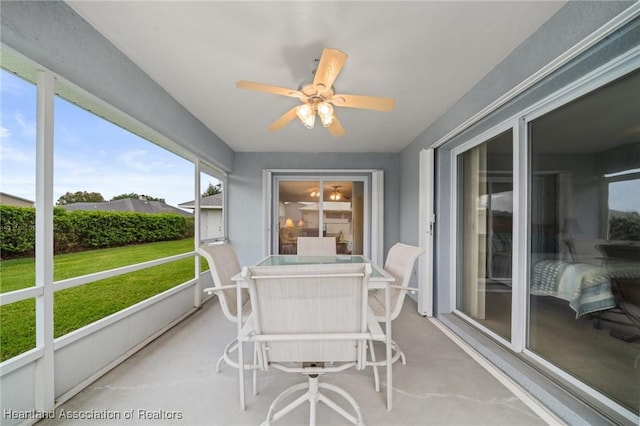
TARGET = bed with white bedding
(585,286)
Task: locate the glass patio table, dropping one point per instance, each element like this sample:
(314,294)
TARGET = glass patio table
(377,274)
(379,279)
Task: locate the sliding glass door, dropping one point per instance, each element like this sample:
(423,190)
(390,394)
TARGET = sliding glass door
(547,254)
(485,220)
(326,206)
(584,291)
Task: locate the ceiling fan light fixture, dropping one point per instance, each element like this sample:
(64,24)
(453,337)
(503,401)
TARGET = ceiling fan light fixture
(307,115)
(325,111)
(335,194)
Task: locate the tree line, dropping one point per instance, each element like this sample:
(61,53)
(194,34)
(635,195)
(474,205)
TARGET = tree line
(96,197)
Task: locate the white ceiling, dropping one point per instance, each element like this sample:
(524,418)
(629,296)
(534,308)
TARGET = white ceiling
(424,54)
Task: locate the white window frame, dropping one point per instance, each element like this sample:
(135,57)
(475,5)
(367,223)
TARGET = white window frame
(454,265)
(221,176)
(374,203)
(426,229)
(604,207)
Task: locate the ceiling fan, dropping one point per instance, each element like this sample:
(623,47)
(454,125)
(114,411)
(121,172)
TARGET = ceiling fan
(319,97)
(336,195)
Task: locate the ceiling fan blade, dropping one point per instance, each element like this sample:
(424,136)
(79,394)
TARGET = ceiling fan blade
(336,128)
(283,120)
(261,87)
(330,65)
(364,102)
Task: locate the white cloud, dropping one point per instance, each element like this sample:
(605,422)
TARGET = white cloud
(135,160)
(28,128)
(4,133)
(17,154)
(140,160)
(66,136)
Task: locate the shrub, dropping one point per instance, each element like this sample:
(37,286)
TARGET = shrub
(17,231)
(625,227)
(82,230)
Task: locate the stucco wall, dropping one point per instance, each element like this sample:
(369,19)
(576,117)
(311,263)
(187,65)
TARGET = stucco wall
(245,192)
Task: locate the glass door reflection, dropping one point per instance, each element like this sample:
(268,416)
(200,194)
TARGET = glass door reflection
(313,208)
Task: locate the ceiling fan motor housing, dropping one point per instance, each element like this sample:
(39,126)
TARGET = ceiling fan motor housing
(317,93)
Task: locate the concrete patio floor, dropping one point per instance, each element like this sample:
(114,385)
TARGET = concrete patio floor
(173,381)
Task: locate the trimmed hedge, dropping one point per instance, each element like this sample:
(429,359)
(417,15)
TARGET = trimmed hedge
(83,230)
(17,231)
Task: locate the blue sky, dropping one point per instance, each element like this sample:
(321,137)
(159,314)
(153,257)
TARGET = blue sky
(625,195)
(90,154)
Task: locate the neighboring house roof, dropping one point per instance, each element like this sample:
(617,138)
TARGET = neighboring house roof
(133,205)
(209,202)
(14,200)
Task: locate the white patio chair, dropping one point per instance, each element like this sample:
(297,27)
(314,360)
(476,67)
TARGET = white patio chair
(223,264)
(316,246)
(311,319)
(399,264)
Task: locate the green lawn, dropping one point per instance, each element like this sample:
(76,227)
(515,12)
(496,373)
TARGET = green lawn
(79,306)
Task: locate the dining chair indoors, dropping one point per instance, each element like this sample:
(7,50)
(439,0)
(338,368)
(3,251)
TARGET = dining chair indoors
(223,264)
(311,320)
(399,264)
(316,246)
